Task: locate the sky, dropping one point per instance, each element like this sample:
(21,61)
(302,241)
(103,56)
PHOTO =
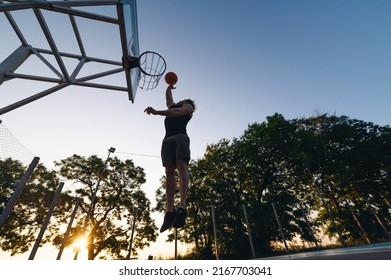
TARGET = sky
(240,60)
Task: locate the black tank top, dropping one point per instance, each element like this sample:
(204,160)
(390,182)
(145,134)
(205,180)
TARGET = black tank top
(176,125)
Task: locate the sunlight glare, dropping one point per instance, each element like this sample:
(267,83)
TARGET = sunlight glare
(81,243)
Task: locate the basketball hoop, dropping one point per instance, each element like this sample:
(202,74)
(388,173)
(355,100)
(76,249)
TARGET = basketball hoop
(152,67)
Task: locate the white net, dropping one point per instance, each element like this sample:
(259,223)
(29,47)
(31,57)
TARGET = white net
(152,66)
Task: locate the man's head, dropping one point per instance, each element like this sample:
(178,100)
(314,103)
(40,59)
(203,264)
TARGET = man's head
(188,101)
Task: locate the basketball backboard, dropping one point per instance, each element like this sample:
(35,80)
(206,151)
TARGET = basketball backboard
(130,43)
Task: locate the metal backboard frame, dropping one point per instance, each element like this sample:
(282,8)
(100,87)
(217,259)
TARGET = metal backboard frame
(126,21)
(130,42)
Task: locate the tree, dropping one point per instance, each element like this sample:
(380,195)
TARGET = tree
(23,223)
(106,223)
(350,162)
(333,168)
(236,173)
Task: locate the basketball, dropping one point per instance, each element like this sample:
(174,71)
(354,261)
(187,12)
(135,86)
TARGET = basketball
(171,78)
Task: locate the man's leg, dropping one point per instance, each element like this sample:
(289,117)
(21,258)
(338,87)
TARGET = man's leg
(181,213)
(183,182)
(170,214)
(170,187)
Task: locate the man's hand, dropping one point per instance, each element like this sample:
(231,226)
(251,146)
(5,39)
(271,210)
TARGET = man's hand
(150,110)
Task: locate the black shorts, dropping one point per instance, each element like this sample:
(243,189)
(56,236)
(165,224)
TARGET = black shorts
(175,148)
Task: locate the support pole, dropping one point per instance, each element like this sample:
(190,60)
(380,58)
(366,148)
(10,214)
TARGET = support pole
(31,99)
(68,228)
(132,234)
(215,232)
(18,190)
(280,227)
(358,223)
(330,215)
(378,219)
(176,244)
(89,213)
(46,221)
(308,224)
(248,231)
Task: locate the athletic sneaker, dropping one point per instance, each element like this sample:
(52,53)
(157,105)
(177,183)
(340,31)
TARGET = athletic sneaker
(168,219)
(180,218)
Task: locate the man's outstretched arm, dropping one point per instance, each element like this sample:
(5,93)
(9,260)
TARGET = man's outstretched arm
(186,109)
(169,99)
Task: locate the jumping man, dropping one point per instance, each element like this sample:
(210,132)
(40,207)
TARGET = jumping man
(175,153)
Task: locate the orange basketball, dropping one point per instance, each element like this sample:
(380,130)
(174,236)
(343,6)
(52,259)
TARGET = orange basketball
(171,78)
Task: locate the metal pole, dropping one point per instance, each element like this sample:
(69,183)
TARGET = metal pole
(131,236)
(46,221)
(329,213)
(377,218)
(32,98)
(176,244)
(249,231)
(385,199)
(279,226)
(69,228)
(18,190)
(111,150)
(308,224)
(215,232)
(358,222)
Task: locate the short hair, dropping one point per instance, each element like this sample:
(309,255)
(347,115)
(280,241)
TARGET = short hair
(192,103)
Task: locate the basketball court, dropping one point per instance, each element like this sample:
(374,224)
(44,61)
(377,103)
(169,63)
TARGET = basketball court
(381,251)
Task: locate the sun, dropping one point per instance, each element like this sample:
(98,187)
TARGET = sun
(81,243)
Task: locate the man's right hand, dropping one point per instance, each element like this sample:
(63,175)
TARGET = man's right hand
(150,110)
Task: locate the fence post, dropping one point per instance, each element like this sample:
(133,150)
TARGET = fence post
(131,236)
(249,231)
(377,218)
(279,226)
(18,190)
(358,223)
(215,232)
(308,224)
(176,245)
(329,213)
(68,228)
(46,221)
(92,204)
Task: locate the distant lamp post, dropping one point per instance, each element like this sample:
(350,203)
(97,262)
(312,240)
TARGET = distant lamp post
(111,150)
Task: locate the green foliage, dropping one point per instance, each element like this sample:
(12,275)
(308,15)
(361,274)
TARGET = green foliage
(108,228)
(21,228)
(118,195)
(282,162)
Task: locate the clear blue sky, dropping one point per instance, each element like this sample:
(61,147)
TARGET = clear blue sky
(241,61)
